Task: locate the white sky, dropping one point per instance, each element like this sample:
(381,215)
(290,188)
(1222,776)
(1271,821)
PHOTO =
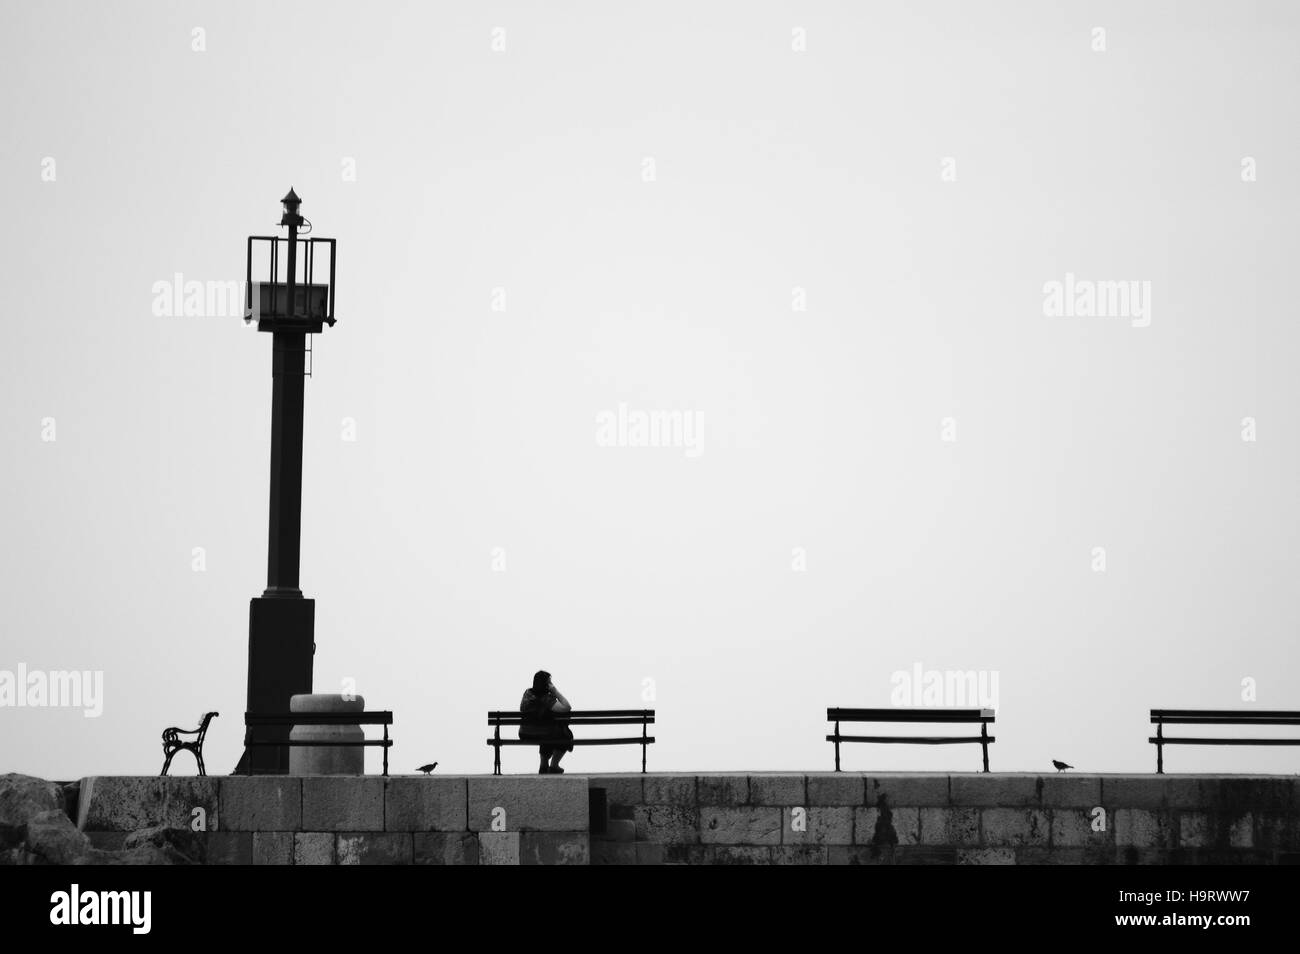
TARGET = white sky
(476,429)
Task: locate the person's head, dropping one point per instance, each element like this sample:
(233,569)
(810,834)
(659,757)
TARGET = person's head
(541,681)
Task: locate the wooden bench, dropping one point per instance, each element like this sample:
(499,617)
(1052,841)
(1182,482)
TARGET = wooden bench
(574,719)
(253,720)
(171,742)
(1163,717)
(895,714)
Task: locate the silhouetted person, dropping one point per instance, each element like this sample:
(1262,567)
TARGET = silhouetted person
(539,708)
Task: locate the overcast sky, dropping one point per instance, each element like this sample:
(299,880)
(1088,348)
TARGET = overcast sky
(824,235)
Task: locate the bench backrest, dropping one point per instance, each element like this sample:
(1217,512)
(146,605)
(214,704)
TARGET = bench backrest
(896,714)
(582,717)
(1225,716)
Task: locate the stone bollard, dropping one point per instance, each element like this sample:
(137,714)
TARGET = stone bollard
(342,759)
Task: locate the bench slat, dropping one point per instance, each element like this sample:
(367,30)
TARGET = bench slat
(590,713)
(566,720)
(917,739)
(1222,717)
(637,740)
(910,715)
(1170,741)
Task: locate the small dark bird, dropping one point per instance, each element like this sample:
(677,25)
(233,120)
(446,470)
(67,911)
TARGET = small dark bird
(426,769)
(1061,766)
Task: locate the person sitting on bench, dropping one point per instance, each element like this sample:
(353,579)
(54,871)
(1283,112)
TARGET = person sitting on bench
(538,709)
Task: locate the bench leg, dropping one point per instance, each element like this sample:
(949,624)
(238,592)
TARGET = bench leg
(1160,748)
(984,743)
(167,763)
(198,757)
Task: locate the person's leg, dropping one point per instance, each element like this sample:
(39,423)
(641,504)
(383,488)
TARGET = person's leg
(555,760)
(545,751)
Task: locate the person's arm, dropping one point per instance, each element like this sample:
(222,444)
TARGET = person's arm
(561,705)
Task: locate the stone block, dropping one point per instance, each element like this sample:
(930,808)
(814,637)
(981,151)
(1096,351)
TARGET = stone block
(1211,830)
(1235,794)
(669,789)
(740,826)
(908,791)
(801,854)
(837,788)
(445,848)
(230,848)
(1072,828)
(260,803)
(821,826)
(731,855)
(995,791)
(1100,855)
(722,789)
(613,853)
(986,856)
(668,824)
(350,803)
(925,855)
(950,826)
(425,803)
(498,847)
(121,803)
(1279,833)
(529,803)
(621,790)
(887,827)
(554,848)
(1150,791)
(1140,828)
(781,790)
(1071,791)
(313,848)
(859,855)
(619,829)
(1015,827)
(273,847)
(182,795)
(375,848)
(649,854)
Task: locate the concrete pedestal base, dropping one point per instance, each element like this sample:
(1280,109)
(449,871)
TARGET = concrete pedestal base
(342,759)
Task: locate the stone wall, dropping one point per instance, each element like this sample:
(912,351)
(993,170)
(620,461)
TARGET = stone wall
(321,820)
(948,819)
(780,818)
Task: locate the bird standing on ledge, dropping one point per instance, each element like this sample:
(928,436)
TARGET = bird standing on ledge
(426,769)
(1061,766)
